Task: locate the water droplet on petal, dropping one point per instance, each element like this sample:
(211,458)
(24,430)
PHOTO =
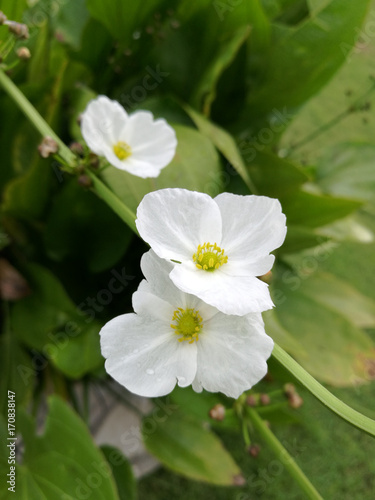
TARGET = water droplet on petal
(149,371)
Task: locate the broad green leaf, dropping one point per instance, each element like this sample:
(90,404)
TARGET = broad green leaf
(348,171)
(47,321)
(281,336)
(312,49)
(81,226)
(63,462)
(121,18)
(299,237)
(272,175)
(224,143)
(121,471)
(313,210)
(183,445)
(338,295)
(70,21)
(205,92)
(26,196)
(196,166)
(336,350)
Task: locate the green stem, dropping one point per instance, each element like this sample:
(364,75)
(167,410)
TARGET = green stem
(285,458)
(111,199)
(332,402)
(38,121)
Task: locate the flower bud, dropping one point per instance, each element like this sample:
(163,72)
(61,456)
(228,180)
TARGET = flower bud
(3,17)
(94,160)
(289,390)
(23,53)
(76,148)
(84,181)
(295,401)
(217,412)
(253,450)
(264,399)
(47,147)
(251,400)
(20,30)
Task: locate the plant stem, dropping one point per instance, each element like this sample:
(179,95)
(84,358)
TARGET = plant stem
(38,121)
(285,458)
(111,199)
(332,402)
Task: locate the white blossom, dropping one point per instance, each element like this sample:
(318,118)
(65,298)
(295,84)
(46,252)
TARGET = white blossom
(136,143)
(217,246)
(174,337)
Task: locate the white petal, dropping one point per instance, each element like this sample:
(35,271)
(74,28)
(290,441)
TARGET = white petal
(148,305)
(247,268)
(151,141)
(175,221)
(253,226)
(101,122)
(232,354)
(237,295)
(132,165)
(145,356)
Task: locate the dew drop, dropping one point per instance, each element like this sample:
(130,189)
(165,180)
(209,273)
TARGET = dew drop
(149,371)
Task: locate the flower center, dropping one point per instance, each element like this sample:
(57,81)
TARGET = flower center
(122,150)
(209,257)
(188,324)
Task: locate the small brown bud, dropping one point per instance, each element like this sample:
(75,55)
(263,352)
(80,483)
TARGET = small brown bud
(175,24)
(13,285)
(217,412)
(84,181)
(238,480)
(251,400)
(23,53)
(295,401)
(20,30)
(289,390)
(94,160)
(47,147)
(253,450)
(128,52)
(3,17)
(264,399)
(76,148)
(267,278)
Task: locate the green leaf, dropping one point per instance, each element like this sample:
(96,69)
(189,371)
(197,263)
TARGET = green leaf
(336,350)
(63,462)
(299,237)
(196,166)
(183,445)
(205,92)
(70,21)
(285,339)
(121,471)
(121,18)
(49,322)
(80,225)
(272,175)
(348,171)
(224,143)
(313,49)
(313,210)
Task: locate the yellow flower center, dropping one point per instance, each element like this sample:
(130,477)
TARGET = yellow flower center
(209,257)
(187,323)
(122,150)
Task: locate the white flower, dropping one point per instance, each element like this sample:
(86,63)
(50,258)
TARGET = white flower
(218,246)
(174,338)
(134,143)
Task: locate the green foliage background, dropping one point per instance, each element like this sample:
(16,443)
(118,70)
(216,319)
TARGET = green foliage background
(270,97)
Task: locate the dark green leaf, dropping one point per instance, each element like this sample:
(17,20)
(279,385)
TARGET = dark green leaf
(186,447)
(121,471)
